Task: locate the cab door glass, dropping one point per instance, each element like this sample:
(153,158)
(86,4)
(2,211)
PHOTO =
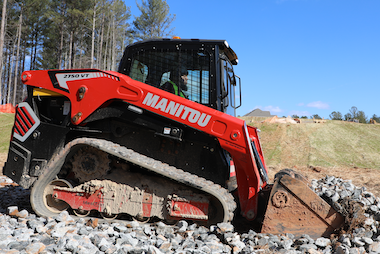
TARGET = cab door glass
(228,88)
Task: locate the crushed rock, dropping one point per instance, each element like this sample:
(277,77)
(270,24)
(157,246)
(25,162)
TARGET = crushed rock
(21,231)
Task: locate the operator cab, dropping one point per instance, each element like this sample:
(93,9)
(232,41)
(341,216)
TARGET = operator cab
(199,70)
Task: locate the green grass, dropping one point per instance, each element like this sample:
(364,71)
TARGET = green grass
(6,124)
(330,144)
(346,144)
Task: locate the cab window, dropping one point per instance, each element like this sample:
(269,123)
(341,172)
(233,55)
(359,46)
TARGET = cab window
(189,70)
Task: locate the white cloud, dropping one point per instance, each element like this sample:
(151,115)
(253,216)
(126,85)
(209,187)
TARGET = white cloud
(273,109)
(318,105)
(299,113)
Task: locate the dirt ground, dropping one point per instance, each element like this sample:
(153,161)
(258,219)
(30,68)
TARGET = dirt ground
(368,178)
(360,177)
(334,143)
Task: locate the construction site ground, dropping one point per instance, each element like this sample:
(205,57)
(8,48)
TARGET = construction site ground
(335,148)
(342,149)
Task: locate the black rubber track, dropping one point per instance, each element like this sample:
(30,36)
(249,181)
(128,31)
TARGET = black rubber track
(222,200)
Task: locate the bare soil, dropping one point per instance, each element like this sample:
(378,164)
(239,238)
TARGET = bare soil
(335,148)
(360,177)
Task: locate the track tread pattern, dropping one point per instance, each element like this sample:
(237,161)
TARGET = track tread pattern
(220,193)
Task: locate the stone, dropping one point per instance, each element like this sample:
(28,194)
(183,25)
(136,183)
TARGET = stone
(374,247)
(18,245)
(263,241)
(35,248)
(130,240)
(192,227)
(175,244)
(22,214)
(62,231)
(215,247)
(354,250)
(369,221)
(148,230)
(33,224)
(322,242)
(374,208)
(83,231)
(312,251)
(343,194)
(165,246)
(41,229)
(120,228)
(213,228)
(182,226)
(135,224)
(12,210)
(345,240)
(307,247)
(358,241)
(92,222)
(46,240)
(342,250)
(239,244)
(287,244)
(64,217)
(367,240)
(109,249)
(154,250)
(72,244)
(103,242)
(335,197)
(225,227)
(301,241)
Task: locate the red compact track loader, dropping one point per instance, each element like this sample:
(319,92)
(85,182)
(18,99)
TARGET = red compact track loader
(154,140)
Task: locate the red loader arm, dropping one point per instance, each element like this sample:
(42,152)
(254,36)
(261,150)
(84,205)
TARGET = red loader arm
(90,89)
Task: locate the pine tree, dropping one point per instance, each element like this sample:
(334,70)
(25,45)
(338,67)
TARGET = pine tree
(154,21)
(58,34)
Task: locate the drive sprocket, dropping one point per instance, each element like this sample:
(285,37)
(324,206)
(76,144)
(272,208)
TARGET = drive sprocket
(90,163)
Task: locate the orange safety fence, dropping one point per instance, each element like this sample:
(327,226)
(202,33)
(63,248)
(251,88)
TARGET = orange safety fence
(7,108)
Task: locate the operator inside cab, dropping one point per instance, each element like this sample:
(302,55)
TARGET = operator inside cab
(177,83)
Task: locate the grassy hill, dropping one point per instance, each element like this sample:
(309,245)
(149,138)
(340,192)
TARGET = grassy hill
(6,124)
(330,144)
(346,150)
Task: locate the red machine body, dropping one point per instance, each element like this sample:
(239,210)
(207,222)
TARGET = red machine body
(89,90)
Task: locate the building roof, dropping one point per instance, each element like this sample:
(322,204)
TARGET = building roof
(260,113)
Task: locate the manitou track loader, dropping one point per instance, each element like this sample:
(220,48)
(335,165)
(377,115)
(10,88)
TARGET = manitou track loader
(109,144)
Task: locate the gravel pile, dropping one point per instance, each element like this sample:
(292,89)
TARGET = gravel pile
(21,231)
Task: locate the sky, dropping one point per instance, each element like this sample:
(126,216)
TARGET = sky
(301,57)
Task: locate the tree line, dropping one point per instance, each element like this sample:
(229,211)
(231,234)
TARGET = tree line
(353,115)
(71,34)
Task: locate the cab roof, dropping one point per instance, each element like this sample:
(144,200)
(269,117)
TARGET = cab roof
(222,44)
